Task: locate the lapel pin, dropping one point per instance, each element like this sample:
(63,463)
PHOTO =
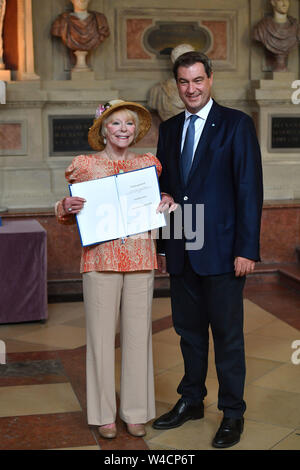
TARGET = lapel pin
(213,124)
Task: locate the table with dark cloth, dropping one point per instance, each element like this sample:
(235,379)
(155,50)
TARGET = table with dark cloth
(23,271)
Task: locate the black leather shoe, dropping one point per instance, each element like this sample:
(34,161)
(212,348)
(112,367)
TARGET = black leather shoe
(181,413)
(229,433)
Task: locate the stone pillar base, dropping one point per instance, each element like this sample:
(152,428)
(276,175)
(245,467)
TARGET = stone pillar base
(83,74)
(5,75)
(277,122)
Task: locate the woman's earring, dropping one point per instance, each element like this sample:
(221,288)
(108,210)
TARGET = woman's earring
(104,140)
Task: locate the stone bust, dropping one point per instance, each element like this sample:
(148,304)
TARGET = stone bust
(163,97)
(81,30)
(279,34)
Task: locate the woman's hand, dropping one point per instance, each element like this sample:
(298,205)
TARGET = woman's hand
(73,205)
(166,203)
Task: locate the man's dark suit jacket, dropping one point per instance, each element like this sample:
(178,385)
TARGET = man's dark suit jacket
(226,177)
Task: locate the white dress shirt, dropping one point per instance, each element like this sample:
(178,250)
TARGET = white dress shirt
(199,124)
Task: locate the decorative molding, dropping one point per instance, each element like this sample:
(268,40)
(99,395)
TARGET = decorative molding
(161,37)
(133,28)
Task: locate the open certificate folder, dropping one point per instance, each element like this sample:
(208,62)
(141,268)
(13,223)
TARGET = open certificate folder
(118,206)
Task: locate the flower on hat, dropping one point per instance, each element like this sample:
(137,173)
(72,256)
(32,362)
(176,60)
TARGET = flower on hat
(101,108)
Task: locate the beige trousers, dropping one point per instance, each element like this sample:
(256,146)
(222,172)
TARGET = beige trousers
(106,296)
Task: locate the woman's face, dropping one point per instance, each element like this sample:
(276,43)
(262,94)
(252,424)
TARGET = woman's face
(120,129)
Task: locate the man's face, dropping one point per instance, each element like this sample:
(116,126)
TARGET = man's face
(281,6)
(194,86)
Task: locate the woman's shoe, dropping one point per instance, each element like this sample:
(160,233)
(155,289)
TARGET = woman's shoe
(108,431)
(136,430)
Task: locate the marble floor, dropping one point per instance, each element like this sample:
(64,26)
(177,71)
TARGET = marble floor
(42,384)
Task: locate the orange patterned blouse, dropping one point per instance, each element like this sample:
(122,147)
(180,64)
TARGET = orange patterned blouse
(136,253)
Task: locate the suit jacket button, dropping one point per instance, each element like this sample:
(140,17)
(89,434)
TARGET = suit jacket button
(185,198)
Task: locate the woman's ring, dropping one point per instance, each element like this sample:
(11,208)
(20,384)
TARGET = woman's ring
(70,209)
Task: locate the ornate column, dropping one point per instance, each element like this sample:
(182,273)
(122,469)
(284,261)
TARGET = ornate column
(25,42)
(2,13)
(4,74)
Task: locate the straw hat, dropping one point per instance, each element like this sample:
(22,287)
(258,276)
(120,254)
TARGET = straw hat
(96,140)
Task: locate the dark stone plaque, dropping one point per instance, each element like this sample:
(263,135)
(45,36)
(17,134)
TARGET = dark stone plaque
(285,133)
(164,36)
(69,134)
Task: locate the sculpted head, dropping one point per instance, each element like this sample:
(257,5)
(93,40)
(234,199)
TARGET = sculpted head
(280,6)
(80,5)
(179,50)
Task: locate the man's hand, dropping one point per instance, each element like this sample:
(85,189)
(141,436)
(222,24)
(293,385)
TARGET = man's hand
(162,265)
(243,266)
(166,203)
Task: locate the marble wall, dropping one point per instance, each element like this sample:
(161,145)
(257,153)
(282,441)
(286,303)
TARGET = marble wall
(280,235)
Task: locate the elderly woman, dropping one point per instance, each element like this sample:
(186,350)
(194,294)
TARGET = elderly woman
(117,277)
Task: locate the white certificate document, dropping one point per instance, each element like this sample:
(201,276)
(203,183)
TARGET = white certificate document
(118,206)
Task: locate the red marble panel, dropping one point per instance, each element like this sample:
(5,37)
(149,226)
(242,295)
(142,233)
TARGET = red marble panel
(135,31)
(64,247)
(280,234)
(10,136)
(219,33)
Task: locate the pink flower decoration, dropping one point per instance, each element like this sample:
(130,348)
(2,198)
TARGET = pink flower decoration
(101,108)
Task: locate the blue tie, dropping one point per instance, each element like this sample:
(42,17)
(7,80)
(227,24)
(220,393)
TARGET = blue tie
(187,151)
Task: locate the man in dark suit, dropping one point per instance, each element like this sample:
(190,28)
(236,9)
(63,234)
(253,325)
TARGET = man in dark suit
(210,158)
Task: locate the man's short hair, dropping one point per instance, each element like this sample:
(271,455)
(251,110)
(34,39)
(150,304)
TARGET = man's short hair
(190,58)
